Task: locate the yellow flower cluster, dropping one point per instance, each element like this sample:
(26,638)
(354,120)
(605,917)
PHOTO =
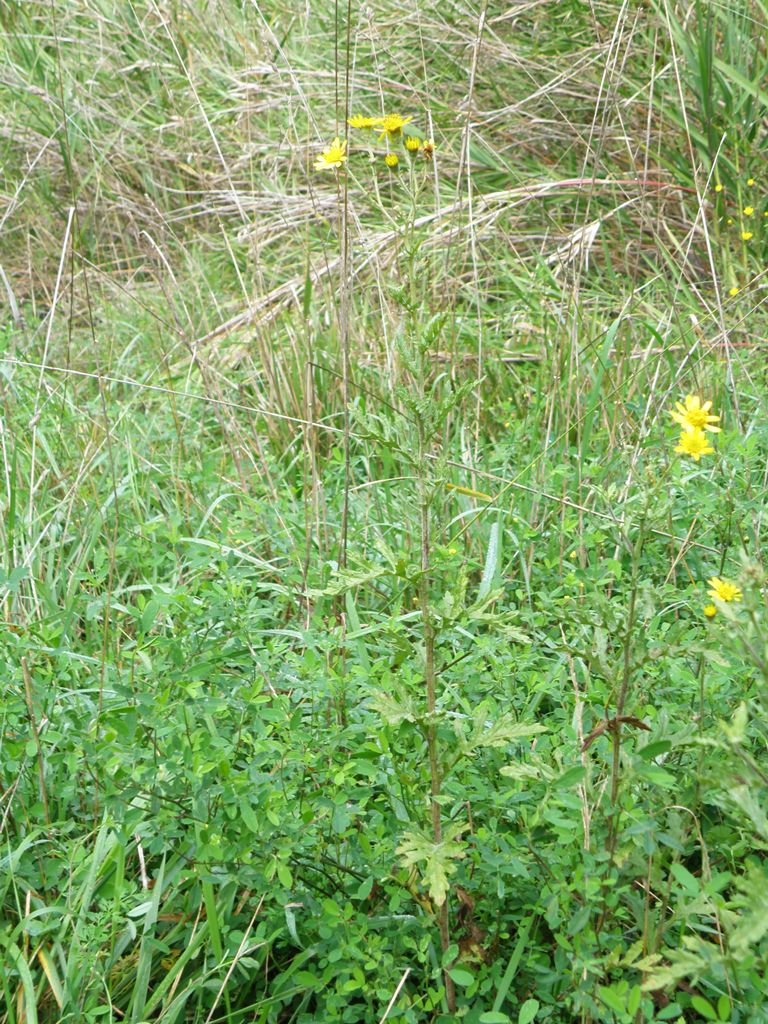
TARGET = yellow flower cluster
(695,418)
(746,211)
(390,127)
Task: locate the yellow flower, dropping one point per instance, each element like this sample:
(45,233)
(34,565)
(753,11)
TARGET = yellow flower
(333,156)
(391,160)
(718,187)
(723,590)
(694,443)
(428,148)
(746,235)
(750,181)
(734,291)
(730,220)
(695,415)
(360,121)
(710,611)
(391,124)
(413,144)
(748,211)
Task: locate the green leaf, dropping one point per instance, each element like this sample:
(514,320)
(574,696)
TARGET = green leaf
(633,1000)
(364,889)
(656,775)
(652,750)
(704,1007)
(613,1000)
(493,1017)
(248,815)
(492,561)
(724,1008)
(688,881)
(514,963)
(449,956)
(673,1010)
(571,777)
(528,1011)
(462,976)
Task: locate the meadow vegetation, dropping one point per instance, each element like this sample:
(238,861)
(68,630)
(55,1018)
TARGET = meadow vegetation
(383,464)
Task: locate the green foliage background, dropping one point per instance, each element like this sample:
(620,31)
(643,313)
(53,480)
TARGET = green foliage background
(214,768)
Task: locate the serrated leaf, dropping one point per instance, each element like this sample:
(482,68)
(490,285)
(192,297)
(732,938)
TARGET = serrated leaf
(536,770)
(684,963)
(395,708)
(753,898)
(348,579)
(499,733)
(437,858)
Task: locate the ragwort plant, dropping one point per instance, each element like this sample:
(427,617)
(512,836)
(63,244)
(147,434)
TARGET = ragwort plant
(421,724)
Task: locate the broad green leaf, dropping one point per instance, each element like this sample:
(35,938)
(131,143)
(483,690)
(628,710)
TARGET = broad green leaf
(704,1007)
(571,777)
(528,1011)
(462,976)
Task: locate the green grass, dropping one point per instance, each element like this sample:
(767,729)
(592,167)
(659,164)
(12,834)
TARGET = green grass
(336,580)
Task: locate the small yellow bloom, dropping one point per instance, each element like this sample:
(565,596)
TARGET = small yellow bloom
(748,211)
(718,187)
(746,235)
(730,220)
(695,415)
(750,181)
(734,291)
(391,160)
(452,551)
(710,611)
(360,121)
(723,590)
(413,144)
(334,156)
(391,124)
(694,443)
(428,148)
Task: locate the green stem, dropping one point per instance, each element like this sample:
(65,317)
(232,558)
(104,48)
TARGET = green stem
(432,745)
